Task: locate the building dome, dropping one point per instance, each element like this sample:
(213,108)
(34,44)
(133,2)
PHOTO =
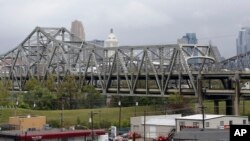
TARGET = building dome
(111,42)
(111,36)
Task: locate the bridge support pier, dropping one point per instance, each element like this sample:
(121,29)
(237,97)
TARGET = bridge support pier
(233,102)
(232,105)
(236,97)
(216,106)
(229,100)
(229,106)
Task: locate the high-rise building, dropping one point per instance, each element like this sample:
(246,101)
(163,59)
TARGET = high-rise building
(217,54)
(78,31)
(189,38)
(243,41)
(111,41)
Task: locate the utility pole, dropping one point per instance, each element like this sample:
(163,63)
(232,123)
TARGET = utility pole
(203,109)
(203,117)
(91,121)
(144,128)
(62,114)
(243,105)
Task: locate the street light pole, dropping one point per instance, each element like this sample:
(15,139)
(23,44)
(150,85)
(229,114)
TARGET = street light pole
(92,125)
(120,108)
(16,107)
(136,104)
(34,105)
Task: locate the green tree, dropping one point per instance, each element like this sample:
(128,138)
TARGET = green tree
(31,84)
(4,94)
(50,83)
(176,103)
(176,99)
(92,98)
(68,91)
(40,98)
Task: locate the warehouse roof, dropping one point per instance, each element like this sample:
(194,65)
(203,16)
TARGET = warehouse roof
(200,135)
(199,117)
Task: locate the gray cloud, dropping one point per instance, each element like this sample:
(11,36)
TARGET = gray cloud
(134,21)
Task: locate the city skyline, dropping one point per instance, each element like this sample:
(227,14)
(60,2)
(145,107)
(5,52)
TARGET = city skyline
(139,22)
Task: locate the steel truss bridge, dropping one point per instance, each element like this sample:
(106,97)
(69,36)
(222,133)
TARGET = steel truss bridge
(146,70)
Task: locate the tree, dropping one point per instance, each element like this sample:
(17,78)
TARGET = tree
(92,98)
(176,99)
(68,92)
(50,83)
(31,84)
(41,98)
(176,103)
(4,94)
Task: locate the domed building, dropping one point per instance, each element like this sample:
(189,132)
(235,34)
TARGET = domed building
(111,41)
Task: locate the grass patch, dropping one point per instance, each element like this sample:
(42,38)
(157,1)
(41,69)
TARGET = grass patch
(108,116)
(244,110)
(72,117)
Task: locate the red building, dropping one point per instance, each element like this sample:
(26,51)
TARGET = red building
(50,135)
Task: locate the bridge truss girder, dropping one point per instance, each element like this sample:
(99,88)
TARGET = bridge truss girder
(154,67)
(236,63)
(44,50)
(156,70)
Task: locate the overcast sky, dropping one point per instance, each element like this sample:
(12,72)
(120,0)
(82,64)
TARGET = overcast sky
(135,22)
